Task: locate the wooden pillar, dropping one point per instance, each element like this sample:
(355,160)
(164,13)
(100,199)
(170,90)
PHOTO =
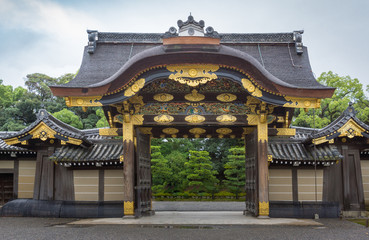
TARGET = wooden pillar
(128,166)
(263,175)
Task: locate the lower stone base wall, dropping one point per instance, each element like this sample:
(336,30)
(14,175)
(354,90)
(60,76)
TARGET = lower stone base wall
(61,209)
(304,209)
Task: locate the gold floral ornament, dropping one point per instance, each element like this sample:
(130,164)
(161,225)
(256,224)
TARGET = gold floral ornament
(163,97)
(194,96)
(195,119)
(170,131)
(132,90)
(226,97)
(197,131)
(163,119)
(193,74)
(226,119)
(254,91)
(224,131)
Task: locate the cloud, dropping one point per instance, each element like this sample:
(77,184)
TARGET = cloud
(40,35)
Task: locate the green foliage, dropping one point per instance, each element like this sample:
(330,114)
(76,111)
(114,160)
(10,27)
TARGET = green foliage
(160,170)
(69,117)
(199,172)
(101,122)
(235,172)
(347,90)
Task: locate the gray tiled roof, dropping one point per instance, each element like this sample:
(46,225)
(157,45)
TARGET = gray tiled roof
(101,150)
(274,51)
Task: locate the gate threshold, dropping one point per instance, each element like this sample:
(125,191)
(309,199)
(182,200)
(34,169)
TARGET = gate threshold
(173,218)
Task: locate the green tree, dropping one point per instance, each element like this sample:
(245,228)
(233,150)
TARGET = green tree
(199,172)
(160,170)
(69,117)
(101,122)
(347,90)
(235,173)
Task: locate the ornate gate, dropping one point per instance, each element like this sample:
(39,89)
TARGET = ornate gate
(143,175)
(252,198)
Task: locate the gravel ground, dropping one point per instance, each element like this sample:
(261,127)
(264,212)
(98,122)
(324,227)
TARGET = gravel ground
(46,228)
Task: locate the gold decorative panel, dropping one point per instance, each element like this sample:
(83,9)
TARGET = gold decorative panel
(170,131)
(302,102)
(226,119)
(129,208)
(250,87)
(163,97)
(89,101)
(226,97)
(108,131)
(194,96)
(146,130)
(197,131)
(132,90)
(163,119)
(193,74)
(286,131)
(224,131)
(195,118)
(264,208)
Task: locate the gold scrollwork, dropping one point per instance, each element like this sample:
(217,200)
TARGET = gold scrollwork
(170,131)
(247,84)
(146,130)
(194,96)
(224,131)
(295,102)
(193,74)
(264,208)
(226,119)
(89,101)
(351,129)
(226,97)
(195,119)
(163,97)
(129,208)
(132,90)
(163,119)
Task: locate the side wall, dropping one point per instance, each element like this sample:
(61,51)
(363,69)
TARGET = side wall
(365,176)
(280,185)
(306,184)
(26,179)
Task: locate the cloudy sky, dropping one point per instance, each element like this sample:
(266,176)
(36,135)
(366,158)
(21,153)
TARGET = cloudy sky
(48,36)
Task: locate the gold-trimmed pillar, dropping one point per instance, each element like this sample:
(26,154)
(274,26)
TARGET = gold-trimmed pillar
(263,186)
(128,166)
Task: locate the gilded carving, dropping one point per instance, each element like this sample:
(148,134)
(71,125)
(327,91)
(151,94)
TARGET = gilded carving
(270,158)
(121,158)
(146,130)
(254,91)
(129,208)
(163,119)
(264,208)
(163,97)
(195,119)
(137,119)
(193,75)
(74,141)
(12,141)
(194,96)
(108,131)
(42,132)
(252,119)
(226,97)
(351,129)
(89,101)
(262,131)
(226,119)
(286,131)
(132,90)
(170,131)
(295,102)
(137,102)
(248,130)
(224,131)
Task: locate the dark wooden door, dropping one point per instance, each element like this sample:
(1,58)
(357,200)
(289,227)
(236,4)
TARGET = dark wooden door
(143,175)
(6,187)
(251,165)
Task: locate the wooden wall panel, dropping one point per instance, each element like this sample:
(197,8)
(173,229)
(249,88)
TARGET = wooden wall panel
(306,184)
(113,185)
(280,185)
(365,176)
(86,185)
(6,164)
(26,180)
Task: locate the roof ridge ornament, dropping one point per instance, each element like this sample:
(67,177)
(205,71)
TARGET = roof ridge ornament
(350,110)
(92,39)
(191,28)
(297,38)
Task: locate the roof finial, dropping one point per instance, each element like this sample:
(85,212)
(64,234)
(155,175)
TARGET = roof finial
(190,14)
